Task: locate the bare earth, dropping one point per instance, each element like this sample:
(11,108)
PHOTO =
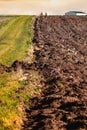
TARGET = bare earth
(60,44)
(61,59)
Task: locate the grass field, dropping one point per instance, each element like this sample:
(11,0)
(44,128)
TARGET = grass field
(15,38)
(16,44)
(14,98)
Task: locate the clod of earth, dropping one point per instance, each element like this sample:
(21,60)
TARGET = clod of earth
(61,57)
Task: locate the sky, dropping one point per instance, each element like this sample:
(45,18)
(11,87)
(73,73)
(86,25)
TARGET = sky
(55,7)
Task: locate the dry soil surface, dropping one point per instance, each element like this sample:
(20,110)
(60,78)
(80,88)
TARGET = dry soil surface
(61,58)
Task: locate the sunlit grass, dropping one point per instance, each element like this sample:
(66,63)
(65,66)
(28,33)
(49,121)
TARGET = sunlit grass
(10,104)
(16,37)
(16,44)
(9,115)
(14,97)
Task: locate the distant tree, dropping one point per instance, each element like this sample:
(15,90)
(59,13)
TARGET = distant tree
(41,14)
(46,14)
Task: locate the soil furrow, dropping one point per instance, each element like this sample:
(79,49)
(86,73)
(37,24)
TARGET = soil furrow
(61,58)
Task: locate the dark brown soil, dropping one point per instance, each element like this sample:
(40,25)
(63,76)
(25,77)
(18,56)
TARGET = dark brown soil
(61,58)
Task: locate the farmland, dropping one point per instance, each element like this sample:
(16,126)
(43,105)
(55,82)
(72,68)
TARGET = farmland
(43,73)
(61,55)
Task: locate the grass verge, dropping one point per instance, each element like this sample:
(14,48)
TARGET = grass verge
(16,37)
(15,94)
(16,88)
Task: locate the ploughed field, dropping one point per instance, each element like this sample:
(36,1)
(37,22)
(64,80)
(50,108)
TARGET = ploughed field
(60,44)
(48,78)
